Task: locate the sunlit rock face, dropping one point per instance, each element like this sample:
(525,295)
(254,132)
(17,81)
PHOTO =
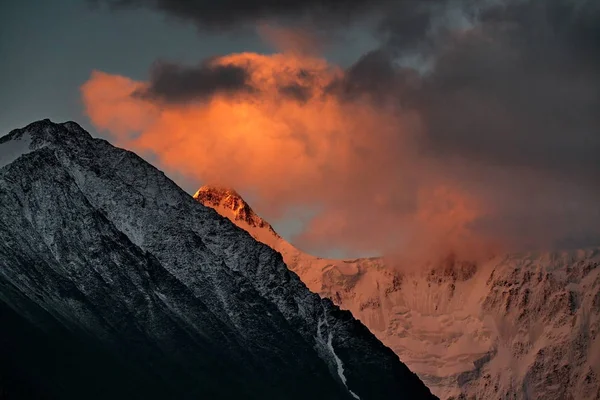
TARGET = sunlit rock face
(521,326)
(229,199)
(116,284)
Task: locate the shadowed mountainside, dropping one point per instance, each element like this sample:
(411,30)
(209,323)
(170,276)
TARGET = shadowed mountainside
(115,283)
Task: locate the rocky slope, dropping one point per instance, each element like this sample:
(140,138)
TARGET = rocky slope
(515,327)
(114,283)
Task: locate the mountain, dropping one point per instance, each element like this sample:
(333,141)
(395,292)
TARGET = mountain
(520,326)
(115,283)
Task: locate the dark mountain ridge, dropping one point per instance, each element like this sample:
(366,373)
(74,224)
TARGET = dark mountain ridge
(115,283)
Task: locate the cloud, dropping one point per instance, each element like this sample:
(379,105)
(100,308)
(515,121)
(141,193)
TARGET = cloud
(352,160)
(296,91)
(508,102)
(516,86)
(489,140)
(173,83)
(103,93)
(207,14)
(521,89)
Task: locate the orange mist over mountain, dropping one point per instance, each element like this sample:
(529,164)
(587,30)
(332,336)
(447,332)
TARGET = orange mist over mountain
(291,139)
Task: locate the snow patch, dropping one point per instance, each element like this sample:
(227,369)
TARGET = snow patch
(338,361)
(13,149)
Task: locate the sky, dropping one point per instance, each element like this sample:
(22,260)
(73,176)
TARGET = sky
(355,127)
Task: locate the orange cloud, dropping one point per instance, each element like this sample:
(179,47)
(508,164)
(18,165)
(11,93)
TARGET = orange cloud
(109,104)
(354,161)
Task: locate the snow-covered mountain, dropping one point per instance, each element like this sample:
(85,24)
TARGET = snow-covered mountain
(115,283)
(514,327)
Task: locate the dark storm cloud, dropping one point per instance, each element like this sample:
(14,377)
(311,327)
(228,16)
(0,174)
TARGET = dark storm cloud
(376,76)
(510,105)
(228,13)
(296,92)
(519,97)
(173,83)
(520,87)
(372,73)
(402,22)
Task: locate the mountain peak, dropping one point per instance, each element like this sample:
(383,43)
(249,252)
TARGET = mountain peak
(93,237)
(39,134)
(216,193)
(47,131)
(216,196)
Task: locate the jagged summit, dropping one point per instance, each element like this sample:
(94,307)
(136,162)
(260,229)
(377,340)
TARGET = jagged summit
(40,134)
(232,203)
(46,130)
(216,193)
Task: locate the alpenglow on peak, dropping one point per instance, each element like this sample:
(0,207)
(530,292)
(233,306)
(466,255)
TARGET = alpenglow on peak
(232,203)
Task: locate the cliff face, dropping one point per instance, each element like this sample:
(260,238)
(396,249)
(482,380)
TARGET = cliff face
(517,326)
(114,283)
